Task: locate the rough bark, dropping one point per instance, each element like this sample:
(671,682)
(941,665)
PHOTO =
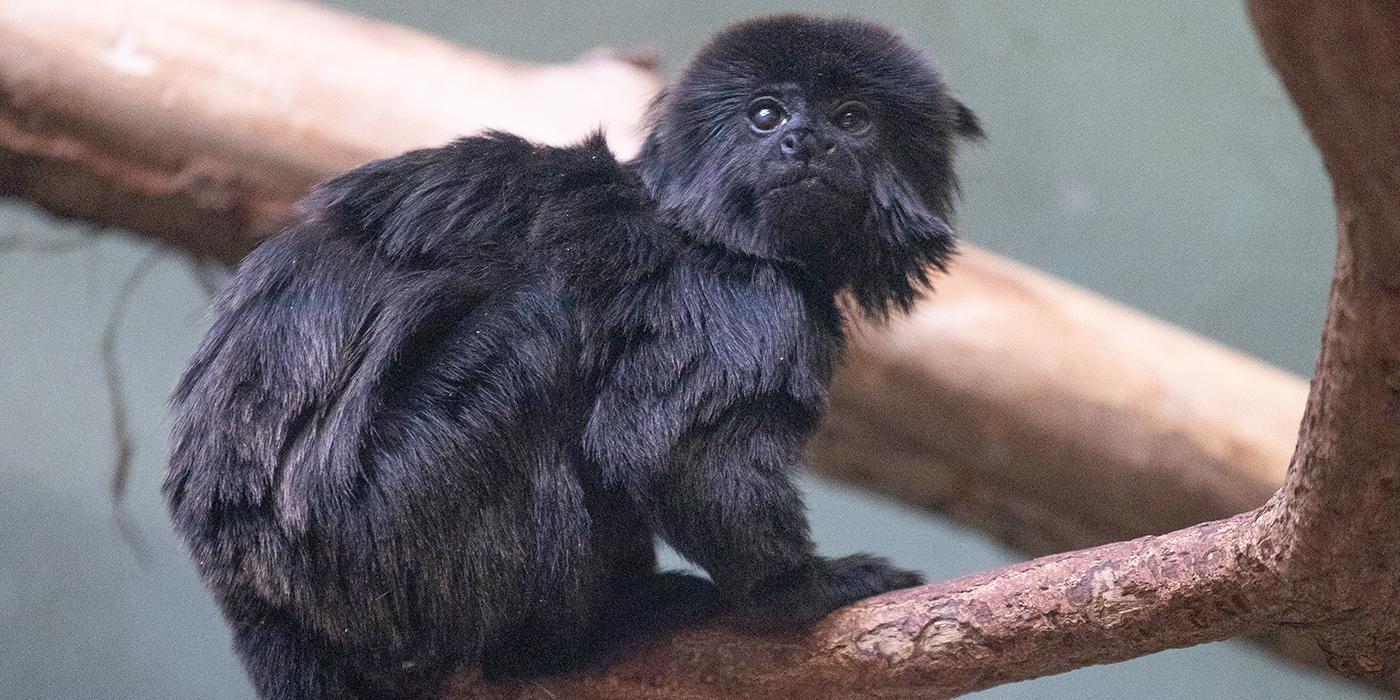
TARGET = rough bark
(1335,531)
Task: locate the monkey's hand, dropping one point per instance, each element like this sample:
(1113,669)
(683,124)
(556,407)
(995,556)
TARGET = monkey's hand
(806,595)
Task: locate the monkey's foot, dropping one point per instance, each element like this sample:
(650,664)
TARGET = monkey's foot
(808,594)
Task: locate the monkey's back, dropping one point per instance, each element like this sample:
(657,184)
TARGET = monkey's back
(374,447)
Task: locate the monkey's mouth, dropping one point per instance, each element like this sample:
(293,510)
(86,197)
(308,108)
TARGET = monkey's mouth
(810,205)
(809,181)
(804,178)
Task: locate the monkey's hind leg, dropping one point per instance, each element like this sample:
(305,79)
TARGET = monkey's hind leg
(643,606)
(286,661)
(283,660)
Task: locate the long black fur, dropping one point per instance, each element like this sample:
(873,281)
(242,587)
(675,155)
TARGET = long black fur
(438,422)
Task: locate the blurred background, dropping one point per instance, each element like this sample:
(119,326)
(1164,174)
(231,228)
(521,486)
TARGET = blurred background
(1140,149)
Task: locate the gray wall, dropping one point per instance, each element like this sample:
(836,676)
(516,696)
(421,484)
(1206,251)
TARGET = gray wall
(1141,149)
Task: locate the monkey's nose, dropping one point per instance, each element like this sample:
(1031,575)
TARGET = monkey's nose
(805,145)
(792,145)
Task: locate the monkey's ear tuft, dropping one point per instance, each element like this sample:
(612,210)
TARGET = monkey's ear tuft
(966,123)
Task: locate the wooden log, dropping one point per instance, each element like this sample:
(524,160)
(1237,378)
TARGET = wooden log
(202,122)
(1052,418)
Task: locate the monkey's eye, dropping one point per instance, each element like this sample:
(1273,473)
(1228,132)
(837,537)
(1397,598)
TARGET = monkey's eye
(766,114)
(853,118)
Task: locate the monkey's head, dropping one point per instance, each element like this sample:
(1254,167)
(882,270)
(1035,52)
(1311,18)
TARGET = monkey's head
(825,142)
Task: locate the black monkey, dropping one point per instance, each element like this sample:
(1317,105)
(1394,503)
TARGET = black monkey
(438,421)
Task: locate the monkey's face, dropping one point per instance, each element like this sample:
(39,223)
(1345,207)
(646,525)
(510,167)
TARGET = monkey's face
(807,159)
(825,141)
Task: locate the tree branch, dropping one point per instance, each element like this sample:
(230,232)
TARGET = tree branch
(1337,535)
(1024,621)
(201,123)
